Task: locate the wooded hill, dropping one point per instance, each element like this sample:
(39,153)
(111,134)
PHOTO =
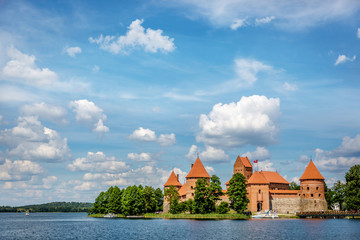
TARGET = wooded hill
(50,207)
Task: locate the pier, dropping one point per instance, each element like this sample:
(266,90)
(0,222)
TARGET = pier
(328,214)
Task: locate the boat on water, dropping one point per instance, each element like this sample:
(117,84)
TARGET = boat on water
(110,215)
(267,214)
(27,213)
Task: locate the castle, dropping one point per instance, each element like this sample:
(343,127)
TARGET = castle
(266,190)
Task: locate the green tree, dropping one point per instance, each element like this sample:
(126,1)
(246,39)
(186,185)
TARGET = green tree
(150,199)
(99,206)
(201,199)
(215,191)
(223,208)
(338,193)
(133,201)
(159,196)
(329,196)
(114,200)
(293,186)
(352,193)
(237,193)
(172,197)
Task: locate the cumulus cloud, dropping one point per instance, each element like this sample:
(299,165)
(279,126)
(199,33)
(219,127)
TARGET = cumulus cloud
(30,140)
(136,37)
(210,154)
(290,16)
(247,69)
(72,51)
(22,68)
(259,21)
(49,181)
(148,135)
(210,170)
(341,158)
(237,23)
(343,59)
(143,134)
(45,111)
(19,170)
(140,157)
(265,166)
(90,114)
(147,175)
(252,120)
(98,162)
(260,154)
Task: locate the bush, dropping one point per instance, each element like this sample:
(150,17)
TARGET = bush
(223,208)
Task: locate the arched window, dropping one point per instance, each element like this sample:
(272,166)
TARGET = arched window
(259,191)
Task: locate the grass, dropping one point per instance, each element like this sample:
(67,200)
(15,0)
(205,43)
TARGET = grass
(99,215)
(213,216)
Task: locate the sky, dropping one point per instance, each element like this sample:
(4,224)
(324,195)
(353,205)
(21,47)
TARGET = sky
(101,93)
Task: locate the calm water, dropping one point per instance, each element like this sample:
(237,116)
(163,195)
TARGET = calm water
(78,226)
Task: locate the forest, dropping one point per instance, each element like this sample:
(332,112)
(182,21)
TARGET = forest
(50,207)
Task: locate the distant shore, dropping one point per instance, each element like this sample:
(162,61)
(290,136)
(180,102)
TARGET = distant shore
(211,216)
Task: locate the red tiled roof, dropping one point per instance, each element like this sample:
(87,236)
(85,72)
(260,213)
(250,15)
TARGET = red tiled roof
(172,181)
(198,170)
(311,172)
(274,177)
(182,190)
(257,178)
(284,191)
(244,160)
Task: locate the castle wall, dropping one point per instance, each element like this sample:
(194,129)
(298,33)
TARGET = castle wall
(285,205)
(312,189)
(313,205)
(258,193)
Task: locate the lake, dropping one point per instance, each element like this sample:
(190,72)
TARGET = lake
(79,226)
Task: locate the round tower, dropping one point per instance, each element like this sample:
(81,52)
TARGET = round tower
(312,189)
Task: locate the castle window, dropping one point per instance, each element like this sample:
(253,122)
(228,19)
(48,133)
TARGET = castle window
(304,195)
(312,195)
(319,195)
(192,187)
(317,188)
(192,194)
(259,191)
(308,188)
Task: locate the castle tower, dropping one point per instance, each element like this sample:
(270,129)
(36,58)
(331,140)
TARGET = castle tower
(197,171)
(242,165)
(258,192)
(173,180)
(312,189)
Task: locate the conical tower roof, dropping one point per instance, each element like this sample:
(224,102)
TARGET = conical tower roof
(244,160)
(311,173)
(172,181)
(198,170)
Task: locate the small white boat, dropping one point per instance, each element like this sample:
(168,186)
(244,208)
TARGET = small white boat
(267,214)
(110,215)
(27,213)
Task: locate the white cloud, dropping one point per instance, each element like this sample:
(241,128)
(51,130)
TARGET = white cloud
(181,173)
(22,68)
(265,166)
(237,23)
(210,170)
(49,181)
(260,154)
(148,135)
(19,170)
(289,87)
(290,16)
(85,186)
(136,36)
(140,157)
(32,141)
(259,21)
(349,147)
(167,139)
(87,112)
(252,120)
(98,162)
(72,51)
(210,154)
(247,69)
(296,180)
(15,94)
(343,59)
(358,32)
(143,134)
(45,111)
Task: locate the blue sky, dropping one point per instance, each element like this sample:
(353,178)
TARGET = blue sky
(94,94)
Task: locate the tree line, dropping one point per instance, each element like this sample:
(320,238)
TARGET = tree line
(207,194)
(134,200)
(50,207)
